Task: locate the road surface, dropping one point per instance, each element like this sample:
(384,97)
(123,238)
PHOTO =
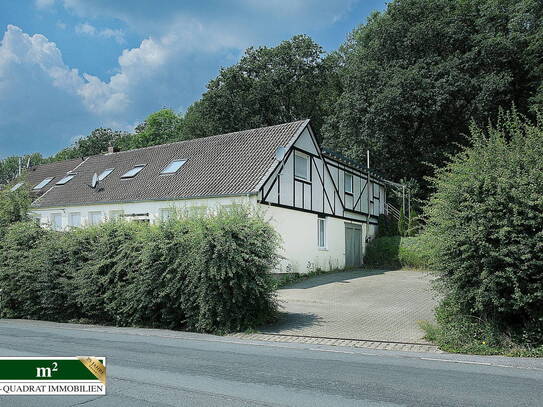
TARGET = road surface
(149,367)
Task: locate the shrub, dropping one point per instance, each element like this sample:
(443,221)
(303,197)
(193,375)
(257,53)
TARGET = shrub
(229,287)
(396,251)
(485,224)
(13,207)
(207,274)
(35,269)
(387,226)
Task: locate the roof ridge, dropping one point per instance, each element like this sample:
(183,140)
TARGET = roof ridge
(205,138)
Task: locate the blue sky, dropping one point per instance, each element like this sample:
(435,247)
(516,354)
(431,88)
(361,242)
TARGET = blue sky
(69,66)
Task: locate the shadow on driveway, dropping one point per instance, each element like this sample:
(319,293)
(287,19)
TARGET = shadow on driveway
(379,305)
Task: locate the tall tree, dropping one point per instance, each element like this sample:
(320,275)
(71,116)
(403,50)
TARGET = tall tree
(10,166)
(267,86)
(415,75)
(164,126)
(96,143)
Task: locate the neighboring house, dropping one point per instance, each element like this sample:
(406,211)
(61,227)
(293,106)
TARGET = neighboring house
(317,200)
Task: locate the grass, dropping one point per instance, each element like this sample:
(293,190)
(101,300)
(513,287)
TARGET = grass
(447,339)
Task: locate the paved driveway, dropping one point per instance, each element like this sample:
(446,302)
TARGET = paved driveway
(365,305)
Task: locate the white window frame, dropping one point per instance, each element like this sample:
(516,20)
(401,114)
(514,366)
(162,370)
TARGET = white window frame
(115,214)
(70,219)
(308,161)
(345,184)
(64,180)
(103,175)
(166,214)
(52,217)
(133,172)
(90,216)
(171,164)
(321,225)
(16,186)
(43,183)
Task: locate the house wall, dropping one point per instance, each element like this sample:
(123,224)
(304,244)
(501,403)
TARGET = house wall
(153,208)
(299,232)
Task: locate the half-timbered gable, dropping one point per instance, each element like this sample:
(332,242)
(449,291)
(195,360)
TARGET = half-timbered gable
(311,179)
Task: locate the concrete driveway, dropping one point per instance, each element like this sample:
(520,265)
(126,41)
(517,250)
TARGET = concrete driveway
(374,305)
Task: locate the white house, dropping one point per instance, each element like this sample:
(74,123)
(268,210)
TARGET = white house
(320,202)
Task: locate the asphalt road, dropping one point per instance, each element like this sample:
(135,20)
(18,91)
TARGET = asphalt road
(165,368)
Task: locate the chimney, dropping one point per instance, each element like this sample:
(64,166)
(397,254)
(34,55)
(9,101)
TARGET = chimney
(110,150)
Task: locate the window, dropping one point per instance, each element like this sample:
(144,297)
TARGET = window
(166,213)
(74,219)
(348,183)
(321,229)
(56,221)
(116,214)
(16,187)
(301,165)
(95,218)
(65,179)
(375,190)
(36,217)
(43,183)
(133,172)
(173,167)
(105,173)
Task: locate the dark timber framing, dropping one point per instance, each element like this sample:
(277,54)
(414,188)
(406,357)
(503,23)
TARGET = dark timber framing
(332,190)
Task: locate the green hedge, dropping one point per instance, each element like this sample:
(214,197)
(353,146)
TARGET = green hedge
(396,251)
(204,274)
(485,224)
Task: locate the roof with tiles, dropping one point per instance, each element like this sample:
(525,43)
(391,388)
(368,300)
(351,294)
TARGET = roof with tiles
(228,164)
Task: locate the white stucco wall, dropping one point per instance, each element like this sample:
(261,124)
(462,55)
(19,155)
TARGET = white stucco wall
(298,229)
(127,208)
(300,245)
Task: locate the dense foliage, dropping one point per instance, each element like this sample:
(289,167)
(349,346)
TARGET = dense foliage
(396,251)
(485,223)
(13,207)
(291,81)
(205,274)
(415,75)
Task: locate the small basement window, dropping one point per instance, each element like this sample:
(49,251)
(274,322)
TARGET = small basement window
(301,165)
(105,173)
(65,179)
(173,167)
(348,183)
(43,183)
(133,172)
(16,187)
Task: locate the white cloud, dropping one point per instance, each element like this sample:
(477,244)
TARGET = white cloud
(42,4)
(89,29)
(183,46)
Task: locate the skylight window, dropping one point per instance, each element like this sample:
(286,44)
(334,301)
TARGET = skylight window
(43,183)
(133,172)
(105,173)
(65,179)
(173,167)
(16,187)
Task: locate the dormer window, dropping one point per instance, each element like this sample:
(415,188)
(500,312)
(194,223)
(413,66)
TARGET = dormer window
(43,183)
(133,172)
(173,167)
(66,179)
(301,166)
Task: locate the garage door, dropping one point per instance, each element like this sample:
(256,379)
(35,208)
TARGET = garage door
(353,244)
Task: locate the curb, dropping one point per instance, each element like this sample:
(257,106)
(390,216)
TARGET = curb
(357,343)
